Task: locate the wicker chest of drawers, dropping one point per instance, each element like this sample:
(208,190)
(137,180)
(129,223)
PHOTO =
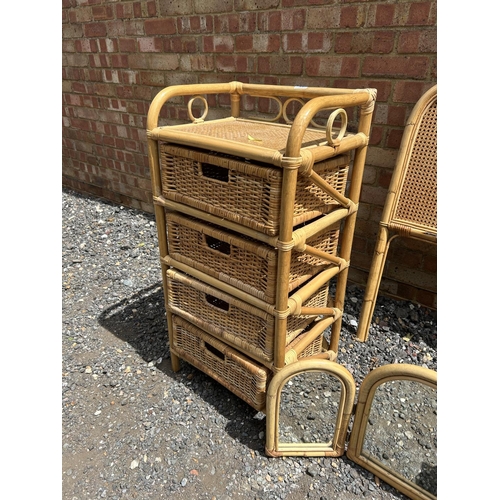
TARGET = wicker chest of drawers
(255,219)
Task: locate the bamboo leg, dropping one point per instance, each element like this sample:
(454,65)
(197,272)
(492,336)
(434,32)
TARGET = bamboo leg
(284,259)
(161,228)
(373,283)
(345,252)
(174,359)
(347,237)
(175,362)
(339,304)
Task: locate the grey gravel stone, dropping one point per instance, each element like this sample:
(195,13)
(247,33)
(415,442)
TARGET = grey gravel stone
(166,435)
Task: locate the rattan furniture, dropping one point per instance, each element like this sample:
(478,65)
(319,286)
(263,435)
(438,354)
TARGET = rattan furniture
(255,219)
(410,208)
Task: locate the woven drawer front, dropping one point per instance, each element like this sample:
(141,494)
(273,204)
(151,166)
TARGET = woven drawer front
(239,374)
(242,262)
(243,192)
(242,325)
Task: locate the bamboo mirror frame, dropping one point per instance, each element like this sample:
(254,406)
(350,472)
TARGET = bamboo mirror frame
(334,447)
(357,448)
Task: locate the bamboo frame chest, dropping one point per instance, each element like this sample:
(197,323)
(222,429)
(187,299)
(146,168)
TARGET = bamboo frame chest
(255,219)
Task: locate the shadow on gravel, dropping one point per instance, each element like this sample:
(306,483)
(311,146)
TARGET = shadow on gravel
(140,321)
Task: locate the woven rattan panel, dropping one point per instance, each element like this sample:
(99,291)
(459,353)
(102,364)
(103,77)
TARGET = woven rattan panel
(244,326)
(313,348)
(241,261)
(244,192)
(238,373)
(417,203)
(265,135)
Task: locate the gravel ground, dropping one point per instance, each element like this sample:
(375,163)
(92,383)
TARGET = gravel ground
(133,429)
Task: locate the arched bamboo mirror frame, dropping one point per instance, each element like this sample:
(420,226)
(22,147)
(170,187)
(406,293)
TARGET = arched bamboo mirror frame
(336,446)
(367,391)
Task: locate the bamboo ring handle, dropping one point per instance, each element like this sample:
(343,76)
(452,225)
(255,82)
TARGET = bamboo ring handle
(329,125)
(285,116)
(285,105)
(190,105)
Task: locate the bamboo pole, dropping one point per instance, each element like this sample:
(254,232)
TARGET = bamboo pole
(372,285)
(317,330)
(235,105)
(291,91)
(418,233)
(301,235)
(324,151)
(299,297)
(285,246)
(364,125)
(324,255)
(251,151)
(161,228)
(365,99)
(319,311)
(329,355)
(320,182)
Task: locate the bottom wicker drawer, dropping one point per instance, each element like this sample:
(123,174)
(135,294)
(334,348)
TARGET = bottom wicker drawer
(239,374)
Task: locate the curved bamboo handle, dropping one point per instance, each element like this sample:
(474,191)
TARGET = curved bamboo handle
(309,110)
(177,90)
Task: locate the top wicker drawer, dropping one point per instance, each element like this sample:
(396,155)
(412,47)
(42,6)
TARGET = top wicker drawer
(247,193)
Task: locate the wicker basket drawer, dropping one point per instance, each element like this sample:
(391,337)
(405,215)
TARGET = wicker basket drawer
(243,192)
(239,261)
(244,326)
(239,374)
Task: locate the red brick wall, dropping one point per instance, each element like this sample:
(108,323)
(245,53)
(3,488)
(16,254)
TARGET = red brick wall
(118,54)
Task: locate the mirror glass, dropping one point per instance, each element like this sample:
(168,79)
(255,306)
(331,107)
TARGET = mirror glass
(401,432)
(309,407)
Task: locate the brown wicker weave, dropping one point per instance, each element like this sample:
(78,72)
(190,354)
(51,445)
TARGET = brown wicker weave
(271,136)
(411,205)
(238,323)
(312,348)
(253,212)
(241,261)
(242,376)
(243,192)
